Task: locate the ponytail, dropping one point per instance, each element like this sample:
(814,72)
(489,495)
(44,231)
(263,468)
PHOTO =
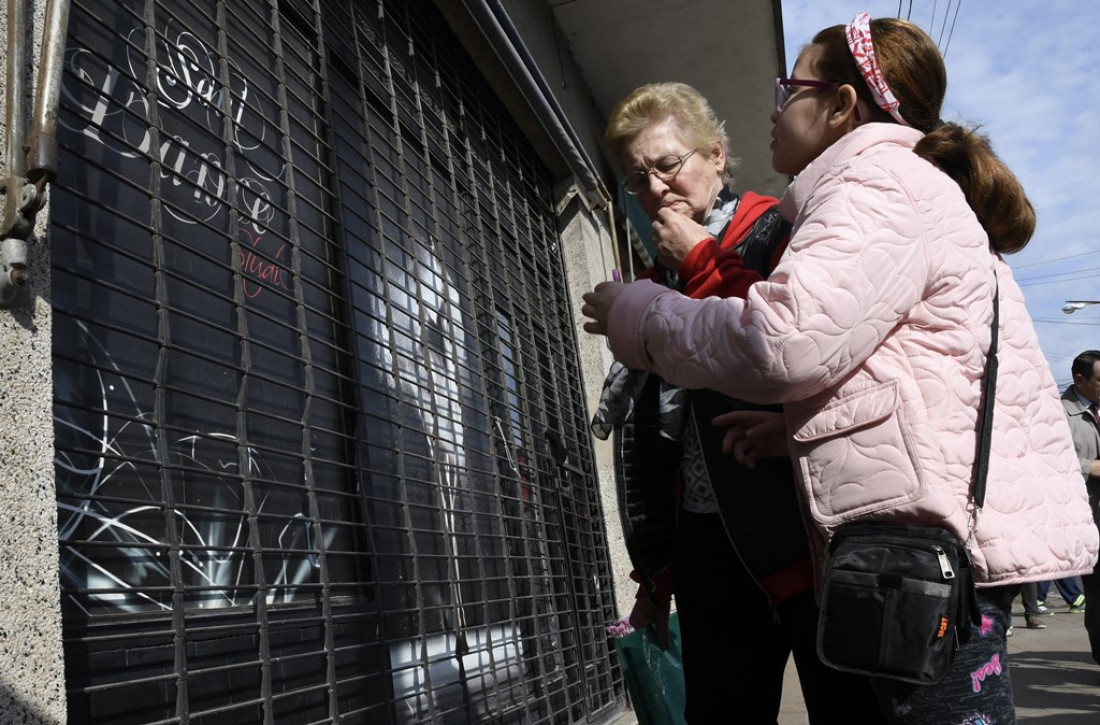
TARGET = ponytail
(991,189)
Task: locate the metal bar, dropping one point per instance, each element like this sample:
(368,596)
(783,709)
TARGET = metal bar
(15,115)
(176,566)
(284,95)
(413,148)
(368,155)
(448,190)
(393,125)
(42,143)
(247,384)
(358,454)
(23,197)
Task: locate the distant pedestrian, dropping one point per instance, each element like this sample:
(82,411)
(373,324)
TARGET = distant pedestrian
(1032,614)
(1069,588)
(1080,400)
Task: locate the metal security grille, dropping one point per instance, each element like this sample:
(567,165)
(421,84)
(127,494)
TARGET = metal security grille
(321,447)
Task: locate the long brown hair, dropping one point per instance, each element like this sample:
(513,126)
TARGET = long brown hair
(914,70)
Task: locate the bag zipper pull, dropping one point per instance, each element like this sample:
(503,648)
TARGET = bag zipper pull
(945,565)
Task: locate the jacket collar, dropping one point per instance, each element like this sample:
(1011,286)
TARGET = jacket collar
(1076,403)
(850,144)
(1074,406)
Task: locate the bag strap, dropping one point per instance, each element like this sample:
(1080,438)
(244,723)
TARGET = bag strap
(989,395)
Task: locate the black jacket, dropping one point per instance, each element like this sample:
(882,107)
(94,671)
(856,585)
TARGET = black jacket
(758,506)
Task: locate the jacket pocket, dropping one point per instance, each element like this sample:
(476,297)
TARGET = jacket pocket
(856,456)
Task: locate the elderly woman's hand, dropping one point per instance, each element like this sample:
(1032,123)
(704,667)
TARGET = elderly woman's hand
(597,305)
(646,613)
(675,235)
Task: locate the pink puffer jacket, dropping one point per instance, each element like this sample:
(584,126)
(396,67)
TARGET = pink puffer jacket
(873,331)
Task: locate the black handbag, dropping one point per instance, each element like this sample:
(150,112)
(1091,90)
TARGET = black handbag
(898,601)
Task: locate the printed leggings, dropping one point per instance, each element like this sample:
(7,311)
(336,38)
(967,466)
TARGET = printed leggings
(976,690)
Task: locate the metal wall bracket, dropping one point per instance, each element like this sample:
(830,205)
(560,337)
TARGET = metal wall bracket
(20,207)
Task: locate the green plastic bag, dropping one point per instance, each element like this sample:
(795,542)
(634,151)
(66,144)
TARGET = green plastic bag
(654,677)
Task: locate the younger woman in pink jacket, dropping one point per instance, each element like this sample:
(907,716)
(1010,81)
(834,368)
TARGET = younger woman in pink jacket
(874,330)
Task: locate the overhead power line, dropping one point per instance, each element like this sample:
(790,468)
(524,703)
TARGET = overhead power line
(1071,276)
(954,17)
(1052,260)
(951,32)
(1065,322)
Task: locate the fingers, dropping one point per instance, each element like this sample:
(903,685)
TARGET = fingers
(595,328)
(744,427)
(593,300)
(661,626)
(597,306)
(639,621)
(743,418)
(660,623)
(731,437)
(675,234)
(592,310)
(745,454)
(742,424)
(642,614)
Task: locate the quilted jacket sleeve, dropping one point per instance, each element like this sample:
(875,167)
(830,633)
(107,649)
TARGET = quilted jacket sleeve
(856,264)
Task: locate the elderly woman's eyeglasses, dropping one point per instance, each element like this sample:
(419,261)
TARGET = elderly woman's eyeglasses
(665,169)
(783,91)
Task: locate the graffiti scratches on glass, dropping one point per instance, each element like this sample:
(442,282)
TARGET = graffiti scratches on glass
(260,268)
(114,112)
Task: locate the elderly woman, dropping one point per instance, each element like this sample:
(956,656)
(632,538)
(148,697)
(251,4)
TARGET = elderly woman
(728,540)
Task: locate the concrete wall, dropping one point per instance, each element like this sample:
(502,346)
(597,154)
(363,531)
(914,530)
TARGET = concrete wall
(31,660)
(586,244)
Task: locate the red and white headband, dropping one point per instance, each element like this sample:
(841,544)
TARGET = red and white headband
(863,51)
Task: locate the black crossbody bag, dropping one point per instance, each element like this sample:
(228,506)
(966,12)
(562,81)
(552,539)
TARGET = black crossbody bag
(898,601)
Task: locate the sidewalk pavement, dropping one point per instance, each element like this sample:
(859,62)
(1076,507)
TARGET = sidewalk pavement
(1054,680)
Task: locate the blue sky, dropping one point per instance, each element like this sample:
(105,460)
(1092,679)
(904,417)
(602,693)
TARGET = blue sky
(1028,72)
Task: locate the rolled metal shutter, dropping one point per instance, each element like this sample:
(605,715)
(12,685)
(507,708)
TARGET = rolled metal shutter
(312,345)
